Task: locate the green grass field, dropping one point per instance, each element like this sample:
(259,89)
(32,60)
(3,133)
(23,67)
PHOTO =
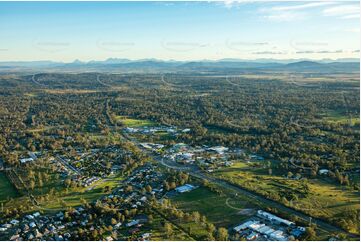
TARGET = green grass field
(338,117)
(7,190)
(102,138)
(157,137)
(71,197)
(324,199)
(132,122)
(91,193)
(219,209)
(30,94)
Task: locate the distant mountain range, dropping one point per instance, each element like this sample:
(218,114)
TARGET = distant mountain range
(154,65)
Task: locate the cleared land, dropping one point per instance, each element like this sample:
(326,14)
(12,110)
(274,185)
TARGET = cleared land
(219,209)
(338,117)
(132,122)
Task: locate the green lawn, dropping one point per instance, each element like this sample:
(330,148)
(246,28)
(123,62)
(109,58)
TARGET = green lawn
(7,190)
(339,117)
(72,197)
(102,138)
(29,94)
(157,137)
(324,199)
(219,209)
(132,122)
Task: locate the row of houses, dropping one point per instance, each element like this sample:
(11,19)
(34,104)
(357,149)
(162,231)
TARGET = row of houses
(60,227)
(88,167)
(37,227)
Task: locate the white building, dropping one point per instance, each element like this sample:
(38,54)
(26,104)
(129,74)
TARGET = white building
(132,223)
(185,188)
(323,172)
(273,218)
(244,225)
(26,160)
(219,149)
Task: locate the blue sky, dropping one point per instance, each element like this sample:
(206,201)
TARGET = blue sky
(65,31)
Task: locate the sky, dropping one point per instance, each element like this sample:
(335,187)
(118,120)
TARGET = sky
(66,31)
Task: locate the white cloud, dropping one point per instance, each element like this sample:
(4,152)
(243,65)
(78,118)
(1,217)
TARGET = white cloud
(301,11)
(285,16)
(351,16)
(233,3)
(228,3)
(291,12)
(302,6)
(342,10)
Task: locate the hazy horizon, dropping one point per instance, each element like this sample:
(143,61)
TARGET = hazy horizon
(351,59)
(182,31)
